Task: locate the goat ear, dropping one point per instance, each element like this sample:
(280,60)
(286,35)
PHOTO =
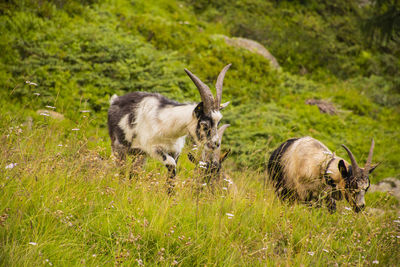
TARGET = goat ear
(224,105)
(224,155)
(199,109)
(343,169)
(191,158)
(373,167)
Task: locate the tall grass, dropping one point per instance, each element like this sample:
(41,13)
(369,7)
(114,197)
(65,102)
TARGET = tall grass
(63,201)
(66,203)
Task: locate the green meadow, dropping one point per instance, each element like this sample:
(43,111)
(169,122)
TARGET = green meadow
(65,202)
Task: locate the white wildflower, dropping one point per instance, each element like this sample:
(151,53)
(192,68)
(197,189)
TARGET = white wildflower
(202,164)
(325,250)
(38,94)
(204,184)
(347,208)
(11,165)
(228,180)
(94,255)
(140,262)
(85,111)
(75,129)
(224,188)
(33,243)
(51,107)
(311,253)
(31,83)
(60,145)
(375,262)
(44,114)
(230,215)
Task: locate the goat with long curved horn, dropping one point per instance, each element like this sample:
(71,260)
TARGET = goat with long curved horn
(143,123)
(337,178)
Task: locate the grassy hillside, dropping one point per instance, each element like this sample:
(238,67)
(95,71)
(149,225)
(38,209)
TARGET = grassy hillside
(66,195)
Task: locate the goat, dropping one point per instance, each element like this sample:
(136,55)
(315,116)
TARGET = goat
(142,123)
(304,169)
(210,165)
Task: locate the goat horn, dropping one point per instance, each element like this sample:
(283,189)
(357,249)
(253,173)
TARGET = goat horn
(221,131)
(219,84)
(369,159)
(353,160)
(205,92)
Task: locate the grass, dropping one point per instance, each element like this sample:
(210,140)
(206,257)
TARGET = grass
(66,203)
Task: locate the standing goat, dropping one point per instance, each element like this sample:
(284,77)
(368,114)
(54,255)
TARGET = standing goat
(149,123)
(304,169)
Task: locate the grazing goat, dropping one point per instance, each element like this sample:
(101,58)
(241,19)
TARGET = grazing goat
(212,160)
(304,169)
(148,123)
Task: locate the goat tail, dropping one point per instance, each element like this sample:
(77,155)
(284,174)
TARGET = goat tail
(113,98)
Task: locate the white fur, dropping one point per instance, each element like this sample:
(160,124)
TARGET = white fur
(113,98)
(158,129)
(128,129)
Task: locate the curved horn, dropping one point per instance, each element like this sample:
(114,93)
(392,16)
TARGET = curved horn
(218,86)
(221,131)
(204,90)
(371,151)
(353,160)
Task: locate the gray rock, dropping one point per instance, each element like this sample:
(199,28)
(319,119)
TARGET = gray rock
(390,185)
(253,47)
(323,105)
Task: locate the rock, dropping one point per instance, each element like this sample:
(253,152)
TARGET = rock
(324,106)
(254,47)
(390,185)
(50,113)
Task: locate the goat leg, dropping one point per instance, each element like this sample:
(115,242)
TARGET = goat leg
(170,163)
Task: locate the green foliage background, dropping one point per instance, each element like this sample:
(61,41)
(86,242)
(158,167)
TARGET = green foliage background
(81,52)
(65,193)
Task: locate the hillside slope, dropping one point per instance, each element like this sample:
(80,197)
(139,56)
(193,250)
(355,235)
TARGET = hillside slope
(65,202)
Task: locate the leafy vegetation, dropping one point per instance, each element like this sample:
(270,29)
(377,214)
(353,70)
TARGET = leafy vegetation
(66,195)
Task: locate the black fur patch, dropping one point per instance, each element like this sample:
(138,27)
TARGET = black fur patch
(164,102)
(122,106)
(202,117)
(275,168)
(162,154)
(349,177)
